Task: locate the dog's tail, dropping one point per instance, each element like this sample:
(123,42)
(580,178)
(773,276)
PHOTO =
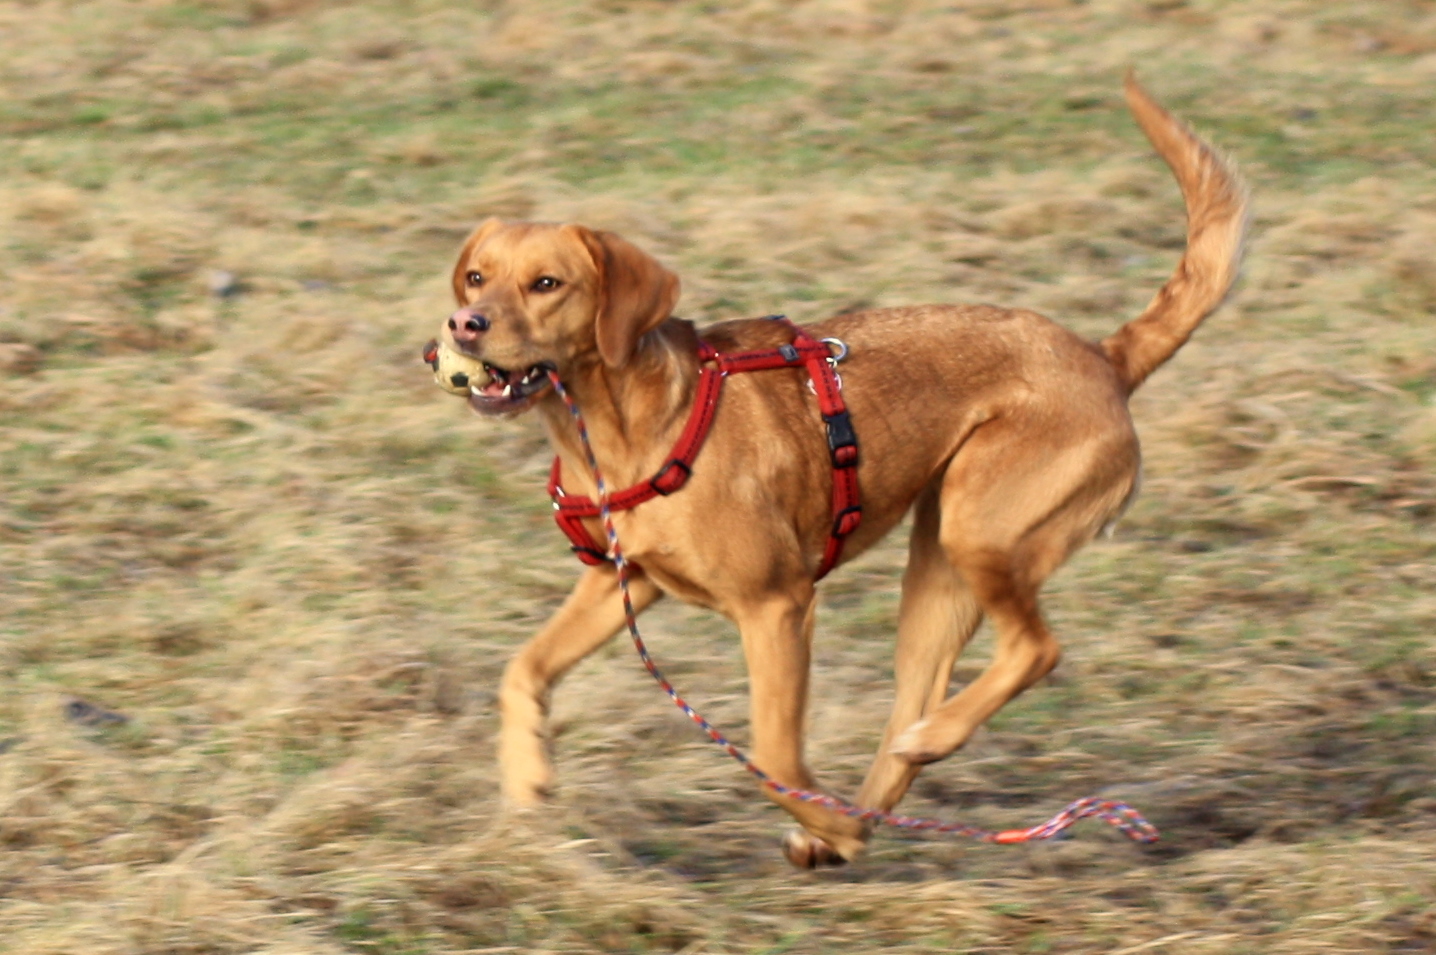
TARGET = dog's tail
(1216,201)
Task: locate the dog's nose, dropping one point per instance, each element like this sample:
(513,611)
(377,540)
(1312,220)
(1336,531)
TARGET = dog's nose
(467,325)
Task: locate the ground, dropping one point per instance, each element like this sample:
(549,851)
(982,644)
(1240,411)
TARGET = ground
(258,576)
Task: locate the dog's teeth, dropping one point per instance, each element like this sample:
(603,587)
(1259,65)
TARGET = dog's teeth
(508,391)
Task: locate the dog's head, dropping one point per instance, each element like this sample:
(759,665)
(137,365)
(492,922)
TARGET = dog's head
(535,297)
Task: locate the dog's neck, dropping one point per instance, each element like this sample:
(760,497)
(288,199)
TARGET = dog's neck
(634,414)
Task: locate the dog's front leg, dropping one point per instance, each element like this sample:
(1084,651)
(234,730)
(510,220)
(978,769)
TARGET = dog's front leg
(777,641)
(590,616)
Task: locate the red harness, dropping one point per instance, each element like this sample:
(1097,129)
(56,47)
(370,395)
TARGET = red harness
(571,510)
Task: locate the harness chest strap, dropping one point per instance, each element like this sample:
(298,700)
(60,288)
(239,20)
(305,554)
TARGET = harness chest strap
(571,510)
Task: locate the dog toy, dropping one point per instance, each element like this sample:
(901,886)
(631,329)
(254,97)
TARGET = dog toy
(455,372)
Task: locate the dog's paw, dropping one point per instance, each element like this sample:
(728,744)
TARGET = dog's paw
(804,850)
(526,797)
(526,776)
(528,789)
(919,744)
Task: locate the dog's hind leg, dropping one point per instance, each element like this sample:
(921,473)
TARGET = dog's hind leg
(1026,496)
(590,616)
(936,619)
(777,644)
(1026,651)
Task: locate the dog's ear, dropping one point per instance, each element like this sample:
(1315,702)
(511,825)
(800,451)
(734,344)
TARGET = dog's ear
(486,228)
(635,293)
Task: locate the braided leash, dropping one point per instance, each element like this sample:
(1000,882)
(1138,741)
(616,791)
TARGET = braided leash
(1118,814)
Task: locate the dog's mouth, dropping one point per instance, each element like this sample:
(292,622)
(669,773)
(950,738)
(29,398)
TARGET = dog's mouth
(507,392)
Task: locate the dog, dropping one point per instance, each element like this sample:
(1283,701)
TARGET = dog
(1007,436)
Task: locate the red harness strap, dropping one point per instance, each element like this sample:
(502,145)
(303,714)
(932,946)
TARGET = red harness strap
(571,510)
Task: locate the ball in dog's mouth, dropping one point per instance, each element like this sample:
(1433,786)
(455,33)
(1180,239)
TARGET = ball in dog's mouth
(489,388)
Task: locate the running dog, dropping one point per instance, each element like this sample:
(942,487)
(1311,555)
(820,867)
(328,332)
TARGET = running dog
(1007,436)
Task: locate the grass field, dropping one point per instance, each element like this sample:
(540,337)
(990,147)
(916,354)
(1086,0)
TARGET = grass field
(258,576)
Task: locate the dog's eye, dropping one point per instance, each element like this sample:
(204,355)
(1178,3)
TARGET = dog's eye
(474,279)
(546,283)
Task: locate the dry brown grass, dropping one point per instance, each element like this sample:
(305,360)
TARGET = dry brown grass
(249,525)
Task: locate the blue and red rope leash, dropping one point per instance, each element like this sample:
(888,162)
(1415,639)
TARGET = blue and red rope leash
(1117,814)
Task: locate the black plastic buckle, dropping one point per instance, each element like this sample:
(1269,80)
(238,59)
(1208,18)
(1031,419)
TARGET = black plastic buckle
(842,440)
(856,511)
(594,556)
(789,353)
(663,488)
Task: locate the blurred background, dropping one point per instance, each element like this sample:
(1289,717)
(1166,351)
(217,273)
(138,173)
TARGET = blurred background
(258,576)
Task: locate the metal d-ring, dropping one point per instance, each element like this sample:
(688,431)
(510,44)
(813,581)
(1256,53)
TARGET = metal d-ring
(832,361)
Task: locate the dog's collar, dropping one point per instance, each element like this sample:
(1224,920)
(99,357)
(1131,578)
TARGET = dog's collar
(805,350)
